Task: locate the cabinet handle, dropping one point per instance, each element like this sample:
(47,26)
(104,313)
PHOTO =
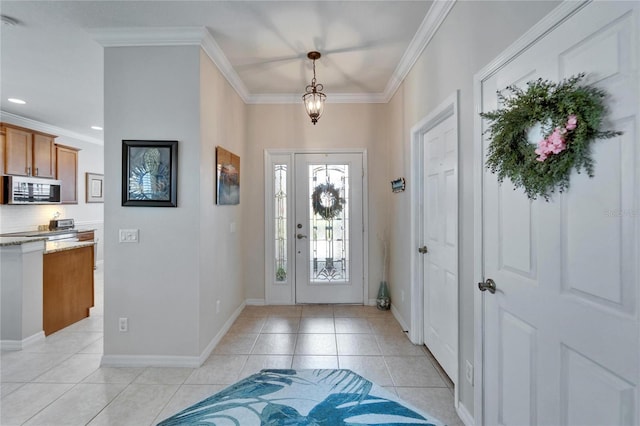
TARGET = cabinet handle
(28,171)
(36,172)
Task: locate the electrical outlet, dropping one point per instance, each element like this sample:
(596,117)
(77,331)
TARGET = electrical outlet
(123,324)
(128,236)
(217,307)
(468,372)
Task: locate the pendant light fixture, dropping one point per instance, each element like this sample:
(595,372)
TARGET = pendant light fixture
(314,98)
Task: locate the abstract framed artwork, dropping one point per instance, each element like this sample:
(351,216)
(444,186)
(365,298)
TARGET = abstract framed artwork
(94,188)
(149,173)
(227,177)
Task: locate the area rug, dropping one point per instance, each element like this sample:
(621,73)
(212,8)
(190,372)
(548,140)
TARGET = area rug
(302,397)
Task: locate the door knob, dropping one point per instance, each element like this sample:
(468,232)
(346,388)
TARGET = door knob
(489,284)
(423,250)
(301,236)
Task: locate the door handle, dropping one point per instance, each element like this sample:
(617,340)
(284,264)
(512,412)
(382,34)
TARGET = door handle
(423,250)
(488,284)
(301,236)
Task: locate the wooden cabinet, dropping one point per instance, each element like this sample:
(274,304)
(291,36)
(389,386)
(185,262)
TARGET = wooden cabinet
(44,156)
(27,152)
(67,173)
(67,287)
(85,235)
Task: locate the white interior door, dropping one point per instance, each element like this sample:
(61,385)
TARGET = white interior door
(329,228)
(440,236)
(561,334)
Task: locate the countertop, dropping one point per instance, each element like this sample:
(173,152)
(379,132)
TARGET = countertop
(56,246)
(16,241)
(17,238)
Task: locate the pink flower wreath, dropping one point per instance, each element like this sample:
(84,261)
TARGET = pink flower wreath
(572,115)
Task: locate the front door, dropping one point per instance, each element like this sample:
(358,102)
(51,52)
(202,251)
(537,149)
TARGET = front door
(561,333)
(329,228)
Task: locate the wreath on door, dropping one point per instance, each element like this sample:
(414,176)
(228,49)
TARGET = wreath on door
(570,116)
(326,201)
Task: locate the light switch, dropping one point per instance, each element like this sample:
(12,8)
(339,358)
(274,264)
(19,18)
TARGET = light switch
(128,236)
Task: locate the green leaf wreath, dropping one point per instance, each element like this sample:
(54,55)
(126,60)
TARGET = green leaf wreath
(570,115)
(326,201)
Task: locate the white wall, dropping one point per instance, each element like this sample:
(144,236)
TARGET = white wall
(187,258)
(86,215)
(287,126)
(473,34)
(152,93)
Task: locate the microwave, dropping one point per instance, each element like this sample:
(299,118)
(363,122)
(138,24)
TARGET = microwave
(30,190)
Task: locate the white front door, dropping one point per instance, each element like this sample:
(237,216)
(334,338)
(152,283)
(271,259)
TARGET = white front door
(561,334)
(440,236)
(329,228)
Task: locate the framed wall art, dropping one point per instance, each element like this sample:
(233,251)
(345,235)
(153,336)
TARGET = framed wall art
(398,185)
(149,173)
(227,177)
(94,186)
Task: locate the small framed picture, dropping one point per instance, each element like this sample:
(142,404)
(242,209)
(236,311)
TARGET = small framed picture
(94,188)
(398,185)
(227,177)
(150,173)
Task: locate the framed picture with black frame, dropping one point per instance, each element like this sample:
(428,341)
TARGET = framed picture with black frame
(149,173)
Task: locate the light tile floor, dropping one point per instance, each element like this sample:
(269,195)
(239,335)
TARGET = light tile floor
(60,381)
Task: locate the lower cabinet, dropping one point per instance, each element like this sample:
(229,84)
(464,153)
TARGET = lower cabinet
(67,287)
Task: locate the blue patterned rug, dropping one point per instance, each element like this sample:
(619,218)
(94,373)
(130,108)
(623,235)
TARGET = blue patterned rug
(303,397)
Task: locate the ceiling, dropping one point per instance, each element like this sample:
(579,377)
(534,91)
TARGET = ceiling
(53,56)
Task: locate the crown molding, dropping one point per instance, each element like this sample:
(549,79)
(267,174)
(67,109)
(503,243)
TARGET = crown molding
(160,36)
(432,21)
(215,53)
(46,128)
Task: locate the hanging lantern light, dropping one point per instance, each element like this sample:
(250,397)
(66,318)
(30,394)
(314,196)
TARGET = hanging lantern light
(314,98)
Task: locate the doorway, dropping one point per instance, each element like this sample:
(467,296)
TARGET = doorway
(434,290)
(558,334)
(314,208)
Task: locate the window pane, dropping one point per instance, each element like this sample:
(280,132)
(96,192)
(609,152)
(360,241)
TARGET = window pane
(280,203)
(329,223)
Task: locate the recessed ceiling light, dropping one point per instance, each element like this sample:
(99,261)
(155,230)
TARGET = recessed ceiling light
(17,101)
(96,127)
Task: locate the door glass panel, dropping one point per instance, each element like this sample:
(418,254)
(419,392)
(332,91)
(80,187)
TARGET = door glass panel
(329,223)
(280,214)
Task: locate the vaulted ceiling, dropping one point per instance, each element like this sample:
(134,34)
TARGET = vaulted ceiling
(52,51)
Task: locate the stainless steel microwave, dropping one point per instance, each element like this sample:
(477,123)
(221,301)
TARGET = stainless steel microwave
(30,190)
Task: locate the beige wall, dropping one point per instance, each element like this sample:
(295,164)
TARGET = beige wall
(473,34)
(287,126)
(222,123)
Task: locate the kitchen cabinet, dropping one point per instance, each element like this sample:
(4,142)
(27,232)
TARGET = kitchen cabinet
(67,173)
(67,287)
(27,152)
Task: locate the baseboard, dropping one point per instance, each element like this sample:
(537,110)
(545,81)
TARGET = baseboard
(372,302)
(18,345)
(464,415)
(225,328)
(171,361)
(398,317)
(254,302)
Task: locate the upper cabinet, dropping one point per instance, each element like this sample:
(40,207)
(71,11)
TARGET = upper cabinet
(67,173)
(27,152)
